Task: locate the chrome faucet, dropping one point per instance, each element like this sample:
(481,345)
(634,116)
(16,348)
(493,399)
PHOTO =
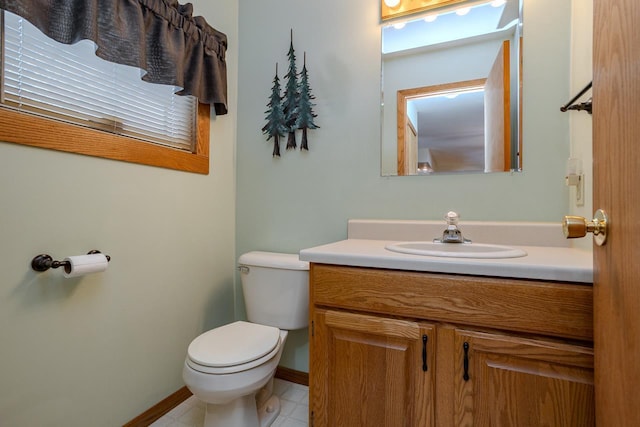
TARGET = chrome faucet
(452,233)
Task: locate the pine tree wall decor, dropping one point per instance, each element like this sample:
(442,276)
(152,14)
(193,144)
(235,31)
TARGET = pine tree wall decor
(304,120)
(294,110)
(291,96)
(276,123)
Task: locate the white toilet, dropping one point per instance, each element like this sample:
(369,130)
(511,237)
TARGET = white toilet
(231,368)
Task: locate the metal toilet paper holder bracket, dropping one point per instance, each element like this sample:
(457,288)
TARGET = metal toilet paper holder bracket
(43,262)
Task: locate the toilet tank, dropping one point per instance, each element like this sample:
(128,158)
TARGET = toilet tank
(276,289)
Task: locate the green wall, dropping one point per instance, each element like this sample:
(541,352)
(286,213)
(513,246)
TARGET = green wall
(104,348)
(101,349)
(305,199)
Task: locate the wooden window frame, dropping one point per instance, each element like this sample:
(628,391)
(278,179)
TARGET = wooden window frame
(28,129)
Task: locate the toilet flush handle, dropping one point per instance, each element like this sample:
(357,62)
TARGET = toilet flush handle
(243,269)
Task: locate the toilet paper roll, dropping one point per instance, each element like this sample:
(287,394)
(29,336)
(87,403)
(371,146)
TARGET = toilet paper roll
(85,264)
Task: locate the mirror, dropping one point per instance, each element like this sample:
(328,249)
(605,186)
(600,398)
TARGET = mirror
(451,83)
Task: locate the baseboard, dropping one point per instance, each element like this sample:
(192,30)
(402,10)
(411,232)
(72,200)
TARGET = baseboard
(154,413)
(292,375)
(158,410)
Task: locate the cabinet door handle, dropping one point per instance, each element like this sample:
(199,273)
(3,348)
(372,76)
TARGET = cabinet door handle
(465,347)
(424,353)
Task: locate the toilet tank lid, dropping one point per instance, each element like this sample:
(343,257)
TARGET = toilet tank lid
(273,260)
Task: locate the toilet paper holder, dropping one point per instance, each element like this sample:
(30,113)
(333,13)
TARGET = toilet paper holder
(43,262)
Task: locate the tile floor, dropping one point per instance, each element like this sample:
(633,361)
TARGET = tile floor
(294,401)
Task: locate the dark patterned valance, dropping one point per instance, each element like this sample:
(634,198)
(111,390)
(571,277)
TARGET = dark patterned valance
(160,37)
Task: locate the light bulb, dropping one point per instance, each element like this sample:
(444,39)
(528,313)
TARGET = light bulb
(430,18)
(498,3)
(392,3)
(399,25)
(463,11)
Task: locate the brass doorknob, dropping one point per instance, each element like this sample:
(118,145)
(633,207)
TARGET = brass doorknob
(577,226)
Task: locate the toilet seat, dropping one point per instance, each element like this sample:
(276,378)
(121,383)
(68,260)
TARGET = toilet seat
(233,348)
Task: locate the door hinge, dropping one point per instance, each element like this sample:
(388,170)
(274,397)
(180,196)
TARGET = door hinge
(311,420)
(313,329)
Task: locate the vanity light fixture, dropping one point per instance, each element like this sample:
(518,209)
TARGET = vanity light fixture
(390,9)
(399,25)
(425,167)
(431,18)
(395,8)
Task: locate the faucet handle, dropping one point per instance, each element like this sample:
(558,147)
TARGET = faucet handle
(451,218)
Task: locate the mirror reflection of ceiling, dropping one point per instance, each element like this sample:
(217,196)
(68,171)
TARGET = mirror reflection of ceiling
(435,28)
(451,127)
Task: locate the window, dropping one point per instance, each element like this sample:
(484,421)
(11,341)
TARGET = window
(66,98)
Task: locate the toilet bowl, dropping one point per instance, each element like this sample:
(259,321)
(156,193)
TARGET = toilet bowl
(232,386)
(231,368)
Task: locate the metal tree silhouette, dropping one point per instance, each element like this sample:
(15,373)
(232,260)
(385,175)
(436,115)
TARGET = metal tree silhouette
(276,123)
(304,120)
(291,97)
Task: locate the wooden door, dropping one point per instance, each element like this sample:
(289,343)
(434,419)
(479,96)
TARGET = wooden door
(408,149)
(512,381)
(497,113)
(411,147)
(616,153)
(370,371)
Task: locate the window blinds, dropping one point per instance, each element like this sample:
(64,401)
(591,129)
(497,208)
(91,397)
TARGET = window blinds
(70,83)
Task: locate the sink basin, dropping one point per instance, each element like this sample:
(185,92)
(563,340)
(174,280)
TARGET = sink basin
(456,250)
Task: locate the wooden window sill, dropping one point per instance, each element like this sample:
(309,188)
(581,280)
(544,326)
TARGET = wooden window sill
(27,129)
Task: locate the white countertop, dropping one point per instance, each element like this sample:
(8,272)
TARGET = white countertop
(563,264)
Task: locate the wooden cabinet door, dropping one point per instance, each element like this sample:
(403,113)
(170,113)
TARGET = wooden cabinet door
(518,382)
(370,371)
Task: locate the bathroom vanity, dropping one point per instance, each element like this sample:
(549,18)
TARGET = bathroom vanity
(408,340)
